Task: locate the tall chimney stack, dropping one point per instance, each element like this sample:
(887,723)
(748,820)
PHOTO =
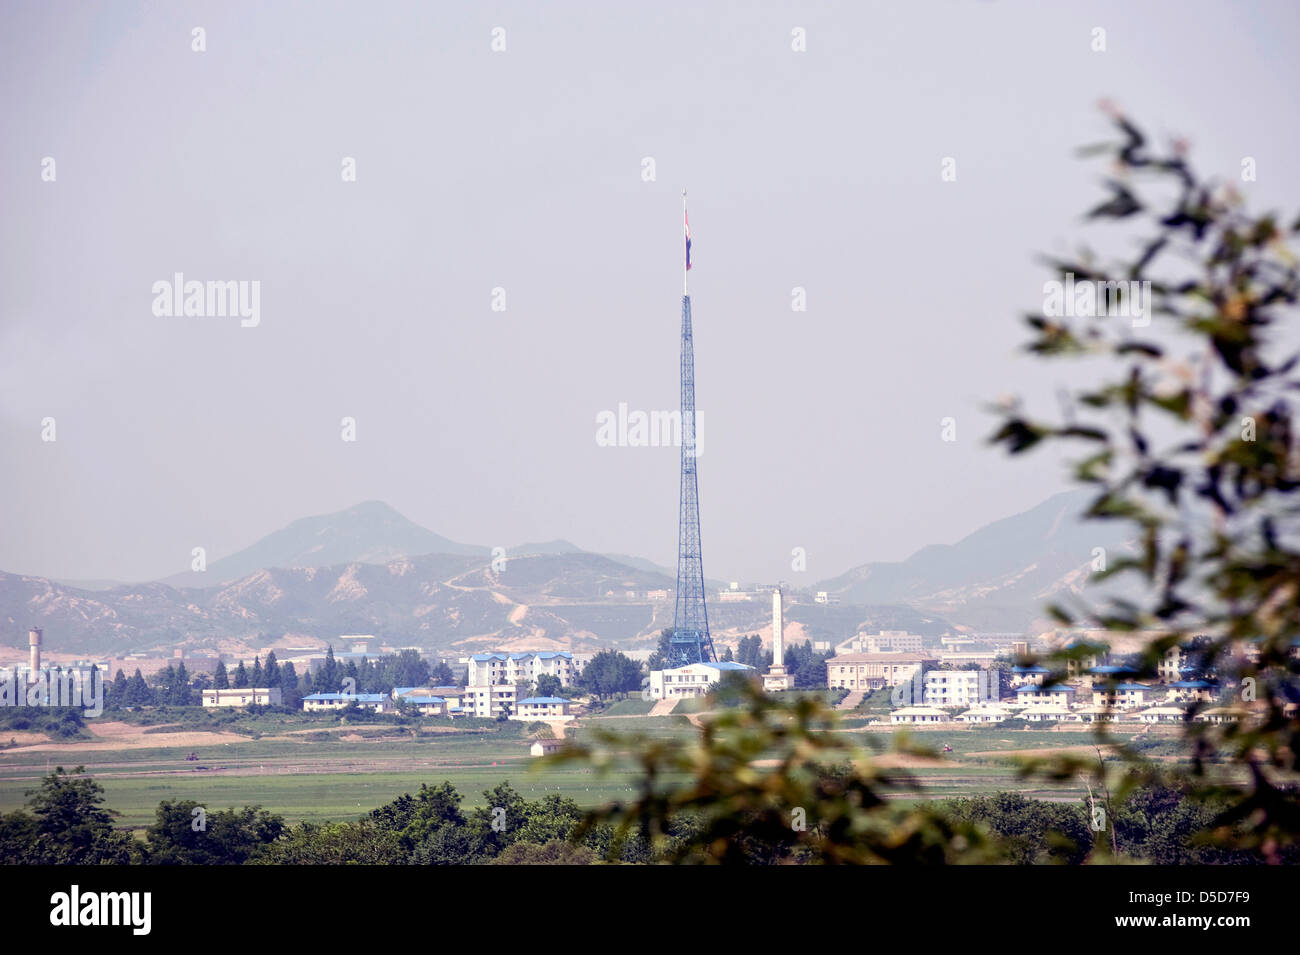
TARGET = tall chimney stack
(778,625)
(34,643)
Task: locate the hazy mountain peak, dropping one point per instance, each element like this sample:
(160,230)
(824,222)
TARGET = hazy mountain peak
(370,532)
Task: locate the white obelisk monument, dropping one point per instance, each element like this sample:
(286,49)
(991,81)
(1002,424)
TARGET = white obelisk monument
(776,678)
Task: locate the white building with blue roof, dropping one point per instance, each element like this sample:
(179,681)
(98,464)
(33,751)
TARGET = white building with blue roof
(1123,696)
(486,669)
(1057,696)
(1192,691)
(550,708)
(693,679)
(379,702)
(1023,676)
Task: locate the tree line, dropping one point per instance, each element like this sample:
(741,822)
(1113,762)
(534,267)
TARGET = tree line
(65,822)
(175,685)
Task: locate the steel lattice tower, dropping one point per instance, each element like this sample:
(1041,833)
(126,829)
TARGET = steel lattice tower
(690,641)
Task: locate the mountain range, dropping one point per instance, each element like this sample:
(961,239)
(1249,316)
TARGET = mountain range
(368,569)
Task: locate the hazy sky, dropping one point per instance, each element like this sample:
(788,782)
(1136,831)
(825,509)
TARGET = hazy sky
(523,170)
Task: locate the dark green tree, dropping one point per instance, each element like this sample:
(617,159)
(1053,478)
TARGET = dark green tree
(240,682)
(1028,831)
(271,672)
(138,692)
(662,657)
(220,681)
(72,827)
(610,672)
(500,820)
(184,833)
(179,692)
(118,693)
(335,843)
(442,675)
(549,685)
(327,678)
(749,651)
(290,693)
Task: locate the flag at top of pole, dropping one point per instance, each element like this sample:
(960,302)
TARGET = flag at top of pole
(686,230)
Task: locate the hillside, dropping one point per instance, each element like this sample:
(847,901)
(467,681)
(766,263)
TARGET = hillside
(997,578)
(372,579)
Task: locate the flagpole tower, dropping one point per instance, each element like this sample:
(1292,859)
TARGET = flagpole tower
(690,641)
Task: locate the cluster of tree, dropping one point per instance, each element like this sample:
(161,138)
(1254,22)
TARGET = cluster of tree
(1160,822)
(121,692)
(610,672)
(173,686)
(548,685)
(282,676)
(749,651)
(375,676)
(59,722)
(176,686)
(66,823)
(431,827)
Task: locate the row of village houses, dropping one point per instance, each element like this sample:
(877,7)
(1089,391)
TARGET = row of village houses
(487,702)
(1092,690)
(1067,702)
(492,691)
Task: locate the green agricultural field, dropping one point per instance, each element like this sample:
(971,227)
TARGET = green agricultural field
(318,769)
(629,707)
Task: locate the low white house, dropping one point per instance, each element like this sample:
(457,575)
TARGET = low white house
(918,714)
(1050,714)
(541,747)
(693,679)
(1162,714)
(337,701)
(542,708)
(426,705)
(247,696)
(1191,691)
(985,713)
(1092,713)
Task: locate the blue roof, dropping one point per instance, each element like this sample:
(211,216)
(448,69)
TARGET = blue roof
(1033,669)
(425,699)
(1032,688)
(484,657)
(1113,669)
(357,697)
(1124,686)
(728,665)
(1193,685)
(544,699)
